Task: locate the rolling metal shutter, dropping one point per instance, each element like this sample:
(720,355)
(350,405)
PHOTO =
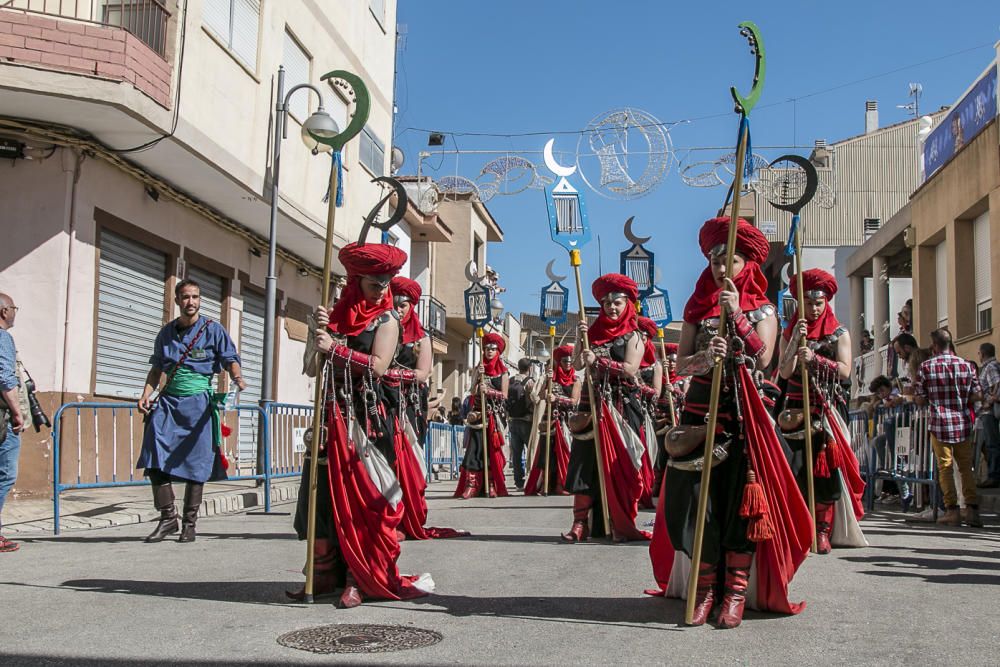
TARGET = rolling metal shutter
(212,291)
(252,358)
(981,259)
(130,285)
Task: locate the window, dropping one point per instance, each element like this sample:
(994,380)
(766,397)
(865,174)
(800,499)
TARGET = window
(372,152)
(236,23)
(378,10)
(984,276)
(296,62)
(941,280)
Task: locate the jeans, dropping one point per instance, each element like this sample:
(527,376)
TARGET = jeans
(520,434)
(9,451)
(950,454)
(991,435)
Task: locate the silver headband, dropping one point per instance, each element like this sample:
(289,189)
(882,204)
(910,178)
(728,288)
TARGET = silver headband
(611,296)
(815,294)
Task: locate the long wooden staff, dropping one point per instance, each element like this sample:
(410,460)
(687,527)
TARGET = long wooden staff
(595,409)
(810,483)
(362,107)
(670,392)
(483,421)
(548,406)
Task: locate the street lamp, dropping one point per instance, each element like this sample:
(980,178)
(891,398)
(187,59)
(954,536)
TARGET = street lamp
(319,125)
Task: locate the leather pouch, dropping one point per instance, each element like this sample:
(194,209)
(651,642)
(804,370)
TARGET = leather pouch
(684,439)
(791,420)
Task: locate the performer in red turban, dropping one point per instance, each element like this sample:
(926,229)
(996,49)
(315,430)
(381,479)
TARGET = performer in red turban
(405,386)
(566,389)
(837,482)
(492,378)
(668,408)
(650,387)
(755,509)
(359,505)
(613,361)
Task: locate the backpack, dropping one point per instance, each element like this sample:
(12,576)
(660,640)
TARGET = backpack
(519,405)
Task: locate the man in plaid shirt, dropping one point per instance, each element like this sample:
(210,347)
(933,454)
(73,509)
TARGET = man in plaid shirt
(950,386)
(989,380)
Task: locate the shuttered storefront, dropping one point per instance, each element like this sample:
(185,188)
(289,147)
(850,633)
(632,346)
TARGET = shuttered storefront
(130,286)
(252,358)
(212,294)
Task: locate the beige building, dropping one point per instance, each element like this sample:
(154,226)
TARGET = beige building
(140,142)
(945,236)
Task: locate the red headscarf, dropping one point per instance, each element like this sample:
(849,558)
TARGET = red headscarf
(826,323)
(352,314)
(671,349)
(750,282)
(648,327)
(605,329)
(412,330)
(494,366)
(563,376)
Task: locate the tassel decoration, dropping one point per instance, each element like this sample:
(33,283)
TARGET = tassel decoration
(226,431)
(754,501)
(833,454)
(760,529)
(821,468)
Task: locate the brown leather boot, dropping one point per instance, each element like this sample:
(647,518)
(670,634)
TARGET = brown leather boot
(735,595)
(705,595)
(580,531)
(192,503)
(163,500)
(824,526)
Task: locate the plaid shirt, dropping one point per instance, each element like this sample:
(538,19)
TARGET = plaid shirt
(989,377)
(947,382)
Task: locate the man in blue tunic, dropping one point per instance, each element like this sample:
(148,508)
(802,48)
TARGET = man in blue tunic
(183,430)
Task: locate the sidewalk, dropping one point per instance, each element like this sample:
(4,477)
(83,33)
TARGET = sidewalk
(83,509)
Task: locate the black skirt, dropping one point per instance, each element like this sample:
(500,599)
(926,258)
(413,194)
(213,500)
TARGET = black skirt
(827,489)
(473,460)
(325,530)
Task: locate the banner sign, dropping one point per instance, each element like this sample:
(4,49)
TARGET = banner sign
(962,123)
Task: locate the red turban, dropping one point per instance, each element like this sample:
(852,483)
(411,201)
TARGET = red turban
(412,330)
(614,282)
(494,366)
(648,327)
(563,376)
(352,313)
(671,348)
(812,280)
(827,322)
(750,242)
(562,352)
(750,281)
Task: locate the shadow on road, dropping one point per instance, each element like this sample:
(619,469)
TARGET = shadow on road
(269,593)
(19,659)
(551,539)
(95,538)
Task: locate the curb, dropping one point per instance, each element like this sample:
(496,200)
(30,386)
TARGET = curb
(218,504)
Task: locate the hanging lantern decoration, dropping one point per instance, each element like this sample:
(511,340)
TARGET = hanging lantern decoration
(478,306)
(789,304)
(637,262)
(555,299)
(655,304)
(568,223)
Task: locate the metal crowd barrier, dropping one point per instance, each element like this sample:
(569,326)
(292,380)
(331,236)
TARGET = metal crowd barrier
(113,433)
(442,447)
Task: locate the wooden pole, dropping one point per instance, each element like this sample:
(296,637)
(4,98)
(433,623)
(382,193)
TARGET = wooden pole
(595,409)
(548,406)
(666,379)
(807,424)
(713,406)
(483,421)
(319,396)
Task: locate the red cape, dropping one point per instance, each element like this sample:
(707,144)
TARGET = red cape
(621,480)
(559,458)
(497,464)
(779,557)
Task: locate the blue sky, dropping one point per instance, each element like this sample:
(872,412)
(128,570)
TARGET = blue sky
(517,67)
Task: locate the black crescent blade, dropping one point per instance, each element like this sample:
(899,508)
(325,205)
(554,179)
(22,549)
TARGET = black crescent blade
(400,209)
(812,182)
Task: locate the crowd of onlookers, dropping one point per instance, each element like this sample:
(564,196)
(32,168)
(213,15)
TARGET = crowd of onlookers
(963,399)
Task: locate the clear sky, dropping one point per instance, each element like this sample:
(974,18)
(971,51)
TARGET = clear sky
(515,67)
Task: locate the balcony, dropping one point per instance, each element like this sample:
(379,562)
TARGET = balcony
(146,19)
(433,316)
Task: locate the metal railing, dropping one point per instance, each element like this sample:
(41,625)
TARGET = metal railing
(442,447)
(146,19)
(433,316)
(867,367)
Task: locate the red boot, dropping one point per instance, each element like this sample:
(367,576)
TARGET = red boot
(705,597)
(580,531)
(325,574)
(737,580)
(824,526)
(473,484)
(351,597)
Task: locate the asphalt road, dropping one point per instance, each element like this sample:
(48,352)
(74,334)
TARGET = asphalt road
(509,595)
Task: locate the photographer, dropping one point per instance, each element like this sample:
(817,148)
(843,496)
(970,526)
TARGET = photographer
(13,409)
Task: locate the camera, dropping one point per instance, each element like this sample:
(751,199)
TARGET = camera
(38,416)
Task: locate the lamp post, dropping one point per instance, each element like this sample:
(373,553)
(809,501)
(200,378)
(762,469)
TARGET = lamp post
(552,310)
(478,313)
(319,124)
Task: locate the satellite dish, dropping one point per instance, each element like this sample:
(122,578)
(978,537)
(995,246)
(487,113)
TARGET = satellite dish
(397,160)
(429,198)
(924,126)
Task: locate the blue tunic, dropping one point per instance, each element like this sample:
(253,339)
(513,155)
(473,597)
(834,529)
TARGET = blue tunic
(178,437)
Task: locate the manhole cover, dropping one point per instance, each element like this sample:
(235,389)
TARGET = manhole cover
(359,638)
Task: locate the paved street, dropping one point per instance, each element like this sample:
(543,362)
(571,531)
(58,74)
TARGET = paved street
(508,595)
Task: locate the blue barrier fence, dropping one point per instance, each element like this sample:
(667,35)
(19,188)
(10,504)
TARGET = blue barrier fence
(95,445)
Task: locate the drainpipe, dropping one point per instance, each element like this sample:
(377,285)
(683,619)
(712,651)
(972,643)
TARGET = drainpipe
(72,161)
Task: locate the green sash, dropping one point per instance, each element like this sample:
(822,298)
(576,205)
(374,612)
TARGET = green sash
(185,382)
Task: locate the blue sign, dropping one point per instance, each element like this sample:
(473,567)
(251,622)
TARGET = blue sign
(962,123)
(656,306)
(554,305)
(568,223)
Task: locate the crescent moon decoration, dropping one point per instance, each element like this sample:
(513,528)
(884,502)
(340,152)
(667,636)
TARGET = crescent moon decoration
(472,272)
(629,153)
(551,274)
(635,240)
(362,106)
(399,210)
(552,165)
(456,185)
(508,175)
(701,175)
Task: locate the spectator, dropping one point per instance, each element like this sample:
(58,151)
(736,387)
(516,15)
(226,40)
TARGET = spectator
(911,354)
(867,342)
(989,380)
(455,415)
(950,386)
(885,395)
(520,410)
(13,409)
